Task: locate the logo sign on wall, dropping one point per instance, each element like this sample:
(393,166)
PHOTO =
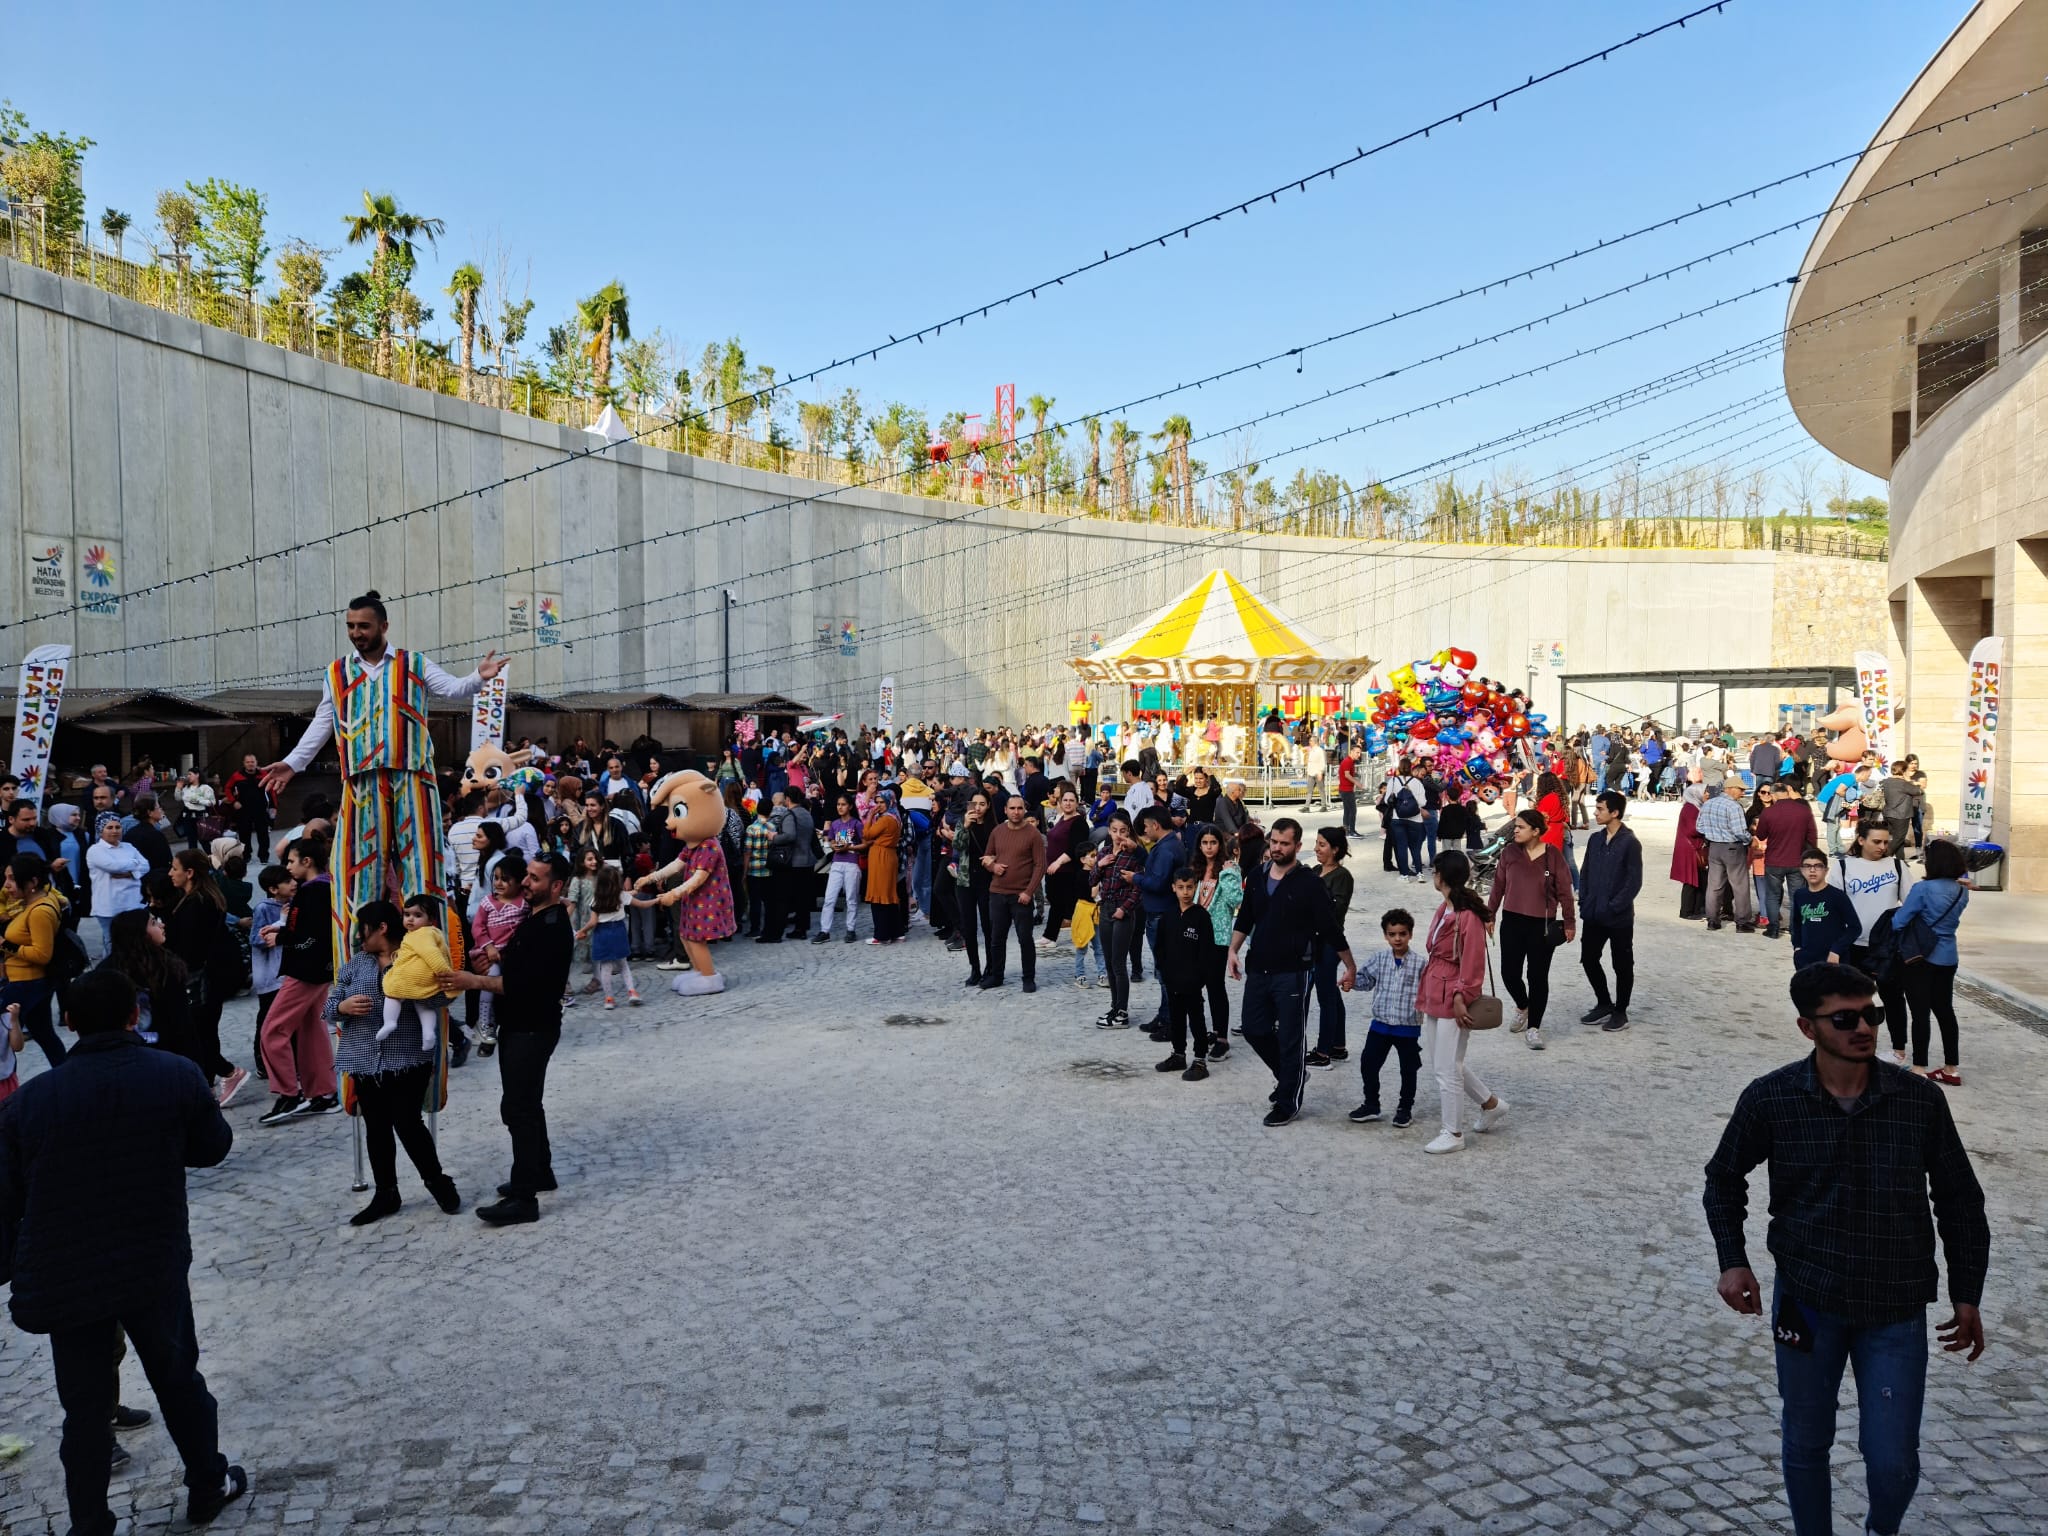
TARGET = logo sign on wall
(1546,653)
(47,564)
(1874,691)
(547,617)
(885,707)
(519,613)
(487,712)
(99,577)
(35,717)
(1980,739)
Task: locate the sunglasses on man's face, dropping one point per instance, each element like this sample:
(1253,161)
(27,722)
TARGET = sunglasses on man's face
(1846,1019)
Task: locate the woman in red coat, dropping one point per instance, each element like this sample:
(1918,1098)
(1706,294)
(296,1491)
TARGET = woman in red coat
(1550,801)
(1688,858)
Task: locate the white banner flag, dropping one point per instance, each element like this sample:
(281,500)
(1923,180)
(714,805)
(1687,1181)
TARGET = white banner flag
(1874,691)
(1980,739)
(487,712)
(885,708)
(36,704)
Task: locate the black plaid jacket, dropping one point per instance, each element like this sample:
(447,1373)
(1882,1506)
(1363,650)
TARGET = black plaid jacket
(1850,1226)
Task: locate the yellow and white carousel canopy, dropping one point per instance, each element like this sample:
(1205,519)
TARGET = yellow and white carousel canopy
(1219,631)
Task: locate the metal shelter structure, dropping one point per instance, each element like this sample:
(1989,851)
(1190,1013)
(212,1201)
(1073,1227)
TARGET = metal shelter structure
(1835,679)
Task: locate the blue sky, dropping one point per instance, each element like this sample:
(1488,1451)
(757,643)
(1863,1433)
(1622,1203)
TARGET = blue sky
(816,178)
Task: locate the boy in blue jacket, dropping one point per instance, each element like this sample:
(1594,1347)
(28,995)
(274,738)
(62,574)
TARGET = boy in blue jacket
(1824,922)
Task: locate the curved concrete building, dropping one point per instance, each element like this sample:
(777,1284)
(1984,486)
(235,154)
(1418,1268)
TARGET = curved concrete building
(1913,349)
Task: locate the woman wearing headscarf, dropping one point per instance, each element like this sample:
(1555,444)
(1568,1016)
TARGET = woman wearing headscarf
(1688,857)
(117,870)
(880,835)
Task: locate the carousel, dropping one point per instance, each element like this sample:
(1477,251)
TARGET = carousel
(1213,663)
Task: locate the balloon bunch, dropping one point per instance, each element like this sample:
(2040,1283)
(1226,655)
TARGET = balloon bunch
(1440,710)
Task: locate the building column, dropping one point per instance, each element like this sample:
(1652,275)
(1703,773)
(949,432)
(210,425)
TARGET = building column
(1944,619)
(2020,799)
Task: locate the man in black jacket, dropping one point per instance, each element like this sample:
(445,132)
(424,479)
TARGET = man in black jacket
(1610,879)
(94,1231)
(1286,912)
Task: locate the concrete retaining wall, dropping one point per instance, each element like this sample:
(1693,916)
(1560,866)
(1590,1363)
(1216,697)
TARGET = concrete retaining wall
(180,450)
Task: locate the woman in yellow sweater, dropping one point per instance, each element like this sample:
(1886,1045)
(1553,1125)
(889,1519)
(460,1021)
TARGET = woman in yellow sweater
(32,913)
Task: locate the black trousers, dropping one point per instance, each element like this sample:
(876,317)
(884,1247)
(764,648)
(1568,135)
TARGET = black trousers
(1374,1056)
(1184,1011)
(1525,952)
(255,836)
(390,1106)
(1119,940)
(1891,992)
(86,1361)
(523,1080)
(1274,1002)
(775,908)
(1219,994)
(1931,988)
(1005,914)
(1621,938)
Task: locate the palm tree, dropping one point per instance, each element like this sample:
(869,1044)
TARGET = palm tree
(1040,407)
(1176,432)
(389,228)
(764,381)
(1121,442)
(1092,425)
(114,224)
(604,318)
(464,284)
(735,389)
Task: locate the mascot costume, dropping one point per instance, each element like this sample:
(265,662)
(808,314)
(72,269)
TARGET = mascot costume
(1850,743)
(696,815)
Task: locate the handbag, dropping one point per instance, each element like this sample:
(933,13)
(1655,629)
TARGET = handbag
(1553,927)
(1483,1011)
(1916,941)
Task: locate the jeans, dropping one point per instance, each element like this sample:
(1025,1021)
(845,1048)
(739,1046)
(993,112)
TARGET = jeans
(1274,1003)
(34,997)
(1009,913)
(1931,987)
(1152,945)
(1092,947)
(1374,1057)
(1185,1015)
(1621,937)
(523,1080)
(921,877)
(1408,846)
(643,938)
(1728,871)
(1348,798)
(1525,951)
(842,880)
(1890,1361)
(86,1362)
(1456,1083)
(389,1103)
(1428,838)
(1329,1002)
(1775,883)
(1837,826)
(1120,935)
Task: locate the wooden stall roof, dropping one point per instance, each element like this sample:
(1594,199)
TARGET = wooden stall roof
(746,704)
(301,702)
(113,710)
(608,703)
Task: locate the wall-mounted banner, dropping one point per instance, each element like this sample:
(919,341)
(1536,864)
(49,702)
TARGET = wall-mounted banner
(100,568)
(519,614)
(487,712)
(885,707)
(36,704)
(1874,691)
(46,564)
(1980,739)
(547,617)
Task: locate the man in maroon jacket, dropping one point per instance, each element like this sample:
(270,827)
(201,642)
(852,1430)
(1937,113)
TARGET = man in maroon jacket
(1784,831)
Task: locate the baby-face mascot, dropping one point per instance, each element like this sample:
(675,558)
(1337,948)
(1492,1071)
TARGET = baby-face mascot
(1849,744)
(696,815)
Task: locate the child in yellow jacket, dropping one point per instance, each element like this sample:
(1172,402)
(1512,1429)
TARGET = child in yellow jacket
(421,957)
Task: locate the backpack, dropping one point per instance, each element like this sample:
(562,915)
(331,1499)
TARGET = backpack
(68,959)
(1915,942)
(1872,800)
(1881,944)
(1404,800)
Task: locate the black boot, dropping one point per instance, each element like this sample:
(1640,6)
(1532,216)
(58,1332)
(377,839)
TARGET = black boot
(383,1203)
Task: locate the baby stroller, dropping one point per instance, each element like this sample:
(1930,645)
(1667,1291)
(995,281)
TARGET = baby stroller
(1485,861)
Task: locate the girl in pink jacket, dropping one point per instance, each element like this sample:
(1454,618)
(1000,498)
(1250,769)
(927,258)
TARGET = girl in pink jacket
(1453,974)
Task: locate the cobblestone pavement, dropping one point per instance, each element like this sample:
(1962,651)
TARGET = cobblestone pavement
(854,1250)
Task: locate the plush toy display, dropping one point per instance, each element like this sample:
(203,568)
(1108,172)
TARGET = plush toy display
(696,815)
(1439,710)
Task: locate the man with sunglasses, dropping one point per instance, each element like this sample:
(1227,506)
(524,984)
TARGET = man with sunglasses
(1855,1147)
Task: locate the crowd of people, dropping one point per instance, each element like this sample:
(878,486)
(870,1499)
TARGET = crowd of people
(1050,842)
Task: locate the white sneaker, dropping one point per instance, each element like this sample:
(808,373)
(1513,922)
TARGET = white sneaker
(1520,1023)
(1535,1039)
(1490,1118)
(1446,1141)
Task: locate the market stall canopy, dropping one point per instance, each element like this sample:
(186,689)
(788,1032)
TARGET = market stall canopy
(1219,631)
(114,710)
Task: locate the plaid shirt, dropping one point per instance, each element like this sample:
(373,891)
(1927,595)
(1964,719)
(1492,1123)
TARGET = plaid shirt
(1392,983)
(760,833)
(1722,821)
(1849,1193)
